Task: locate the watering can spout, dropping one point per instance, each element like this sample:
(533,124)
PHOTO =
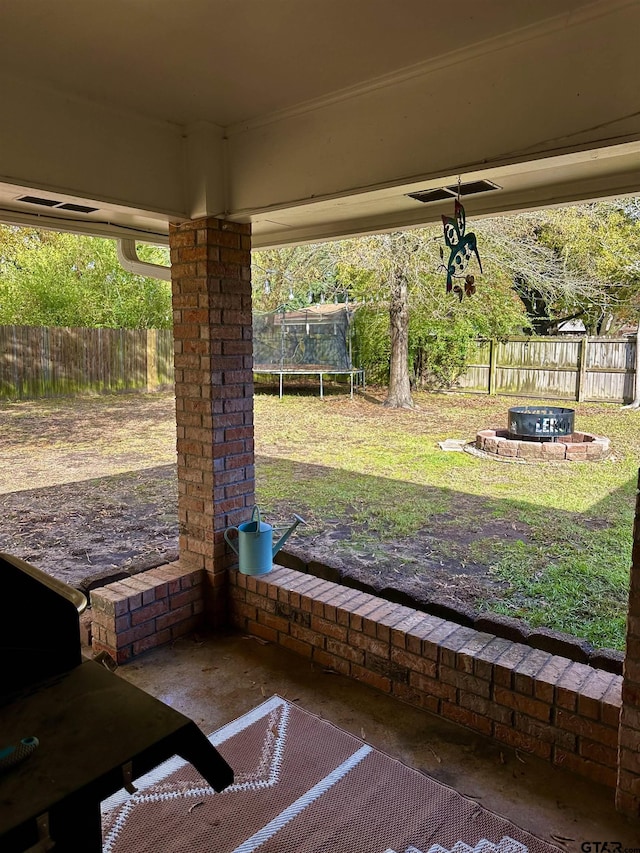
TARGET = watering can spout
(287,533)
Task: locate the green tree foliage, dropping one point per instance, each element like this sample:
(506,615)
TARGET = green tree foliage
(580,261)
(365,270)
(295,276)
(602,242)
(48,278)
(440,326)
(538,269)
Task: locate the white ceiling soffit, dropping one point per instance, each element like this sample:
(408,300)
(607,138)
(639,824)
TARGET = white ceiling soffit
(43,208)
(311,119)
(582,177)
(608,173)
(228,62)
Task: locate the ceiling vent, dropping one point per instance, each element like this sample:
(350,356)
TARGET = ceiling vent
(59,205)
(443,193)
(33,199)
(77,208)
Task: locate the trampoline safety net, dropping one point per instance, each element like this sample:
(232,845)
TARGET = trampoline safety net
(309,339)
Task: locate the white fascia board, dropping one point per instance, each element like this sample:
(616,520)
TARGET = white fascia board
(272,233)
(559,91)
(75,147)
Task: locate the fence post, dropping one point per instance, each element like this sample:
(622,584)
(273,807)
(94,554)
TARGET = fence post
(582,370)
(152,360)
(493,350)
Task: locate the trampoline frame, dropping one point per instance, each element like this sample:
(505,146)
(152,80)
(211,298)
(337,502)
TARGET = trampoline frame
(356,376)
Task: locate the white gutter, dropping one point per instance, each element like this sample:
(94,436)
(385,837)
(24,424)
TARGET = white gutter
(129,260)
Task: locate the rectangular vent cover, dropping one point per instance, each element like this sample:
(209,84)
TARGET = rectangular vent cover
(59,205)
(33,199)
(77,208)
(470,188)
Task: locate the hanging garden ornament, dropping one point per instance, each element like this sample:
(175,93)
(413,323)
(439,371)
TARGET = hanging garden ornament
(461,247)
(469,287)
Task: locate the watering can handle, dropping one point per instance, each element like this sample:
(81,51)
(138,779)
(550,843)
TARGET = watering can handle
(256,511)
(229,542)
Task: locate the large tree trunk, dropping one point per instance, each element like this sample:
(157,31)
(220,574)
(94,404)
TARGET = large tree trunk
(399,395)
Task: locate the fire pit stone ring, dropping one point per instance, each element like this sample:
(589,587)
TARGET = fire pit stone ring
(543,433)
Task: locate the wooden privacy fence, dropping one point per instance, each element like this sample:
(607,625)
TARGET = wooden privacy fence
(51,362)
(582,368)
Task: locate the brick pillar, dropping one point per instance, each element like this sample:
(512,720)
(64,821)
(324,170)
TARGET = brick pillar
(628,788)
(211,283)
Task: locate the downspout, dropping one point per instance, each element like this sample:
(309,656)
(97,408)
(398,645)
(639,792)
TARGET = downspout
(129,260)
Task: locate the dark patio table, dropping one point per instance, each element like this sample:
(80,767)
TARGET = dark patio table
(97,732)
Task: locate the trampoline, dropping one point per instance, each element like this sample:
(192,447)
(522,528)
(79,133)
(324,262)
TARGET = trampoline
(312,341)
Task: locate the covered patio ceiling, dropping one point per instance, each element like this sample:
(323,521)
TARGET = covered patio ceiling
(310,119)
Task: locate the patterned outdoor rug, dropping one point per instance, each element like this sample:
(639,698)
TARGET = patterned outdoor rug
(302,786)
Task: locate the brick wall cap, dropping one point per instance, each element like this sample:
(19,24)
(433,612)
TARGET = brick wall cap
(427,625)
(494,650)
(458,639)
(277,574)
(574,676)
(393,616)
(475,645)
(597,685)
(103,594)
(119,589)
(533,662)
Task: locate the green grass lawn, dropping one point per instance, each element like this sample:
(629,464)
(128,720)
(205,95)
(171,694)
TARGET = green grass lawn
(380,475)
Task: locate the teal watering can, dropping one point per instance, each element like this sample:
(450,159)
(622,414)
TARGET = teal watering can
(255,547)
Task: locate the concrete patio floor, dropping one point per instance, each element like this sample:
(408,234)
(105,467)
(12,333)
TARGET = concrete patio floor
(214,679)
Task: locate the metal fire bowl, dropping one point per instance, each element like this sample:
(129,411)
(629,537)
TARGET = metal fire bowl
(541,421)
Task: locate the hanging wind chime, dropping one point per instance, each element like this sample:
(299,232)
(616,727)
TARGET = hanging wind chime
(461,247)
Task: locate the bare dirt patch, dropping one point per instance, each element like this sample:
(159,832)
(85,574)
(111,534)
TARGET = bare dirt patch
(88,485)
(78,530)
(416,565)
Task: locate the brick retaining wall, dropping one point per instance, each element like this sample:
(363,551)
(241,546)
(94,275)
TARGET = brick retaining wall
(131,616)
(560,710)
(532,700)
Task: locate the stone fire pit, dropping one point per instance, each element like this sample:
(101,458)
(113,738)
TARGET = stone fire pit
(542,433)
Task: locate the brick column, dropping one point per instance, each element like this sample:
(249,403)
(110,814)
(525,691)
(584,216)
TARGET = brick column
(211,283)
(628,789)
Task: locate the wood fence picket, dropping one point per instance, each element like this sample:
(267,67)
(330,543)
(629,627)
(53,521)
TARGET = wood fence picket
(50,362)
